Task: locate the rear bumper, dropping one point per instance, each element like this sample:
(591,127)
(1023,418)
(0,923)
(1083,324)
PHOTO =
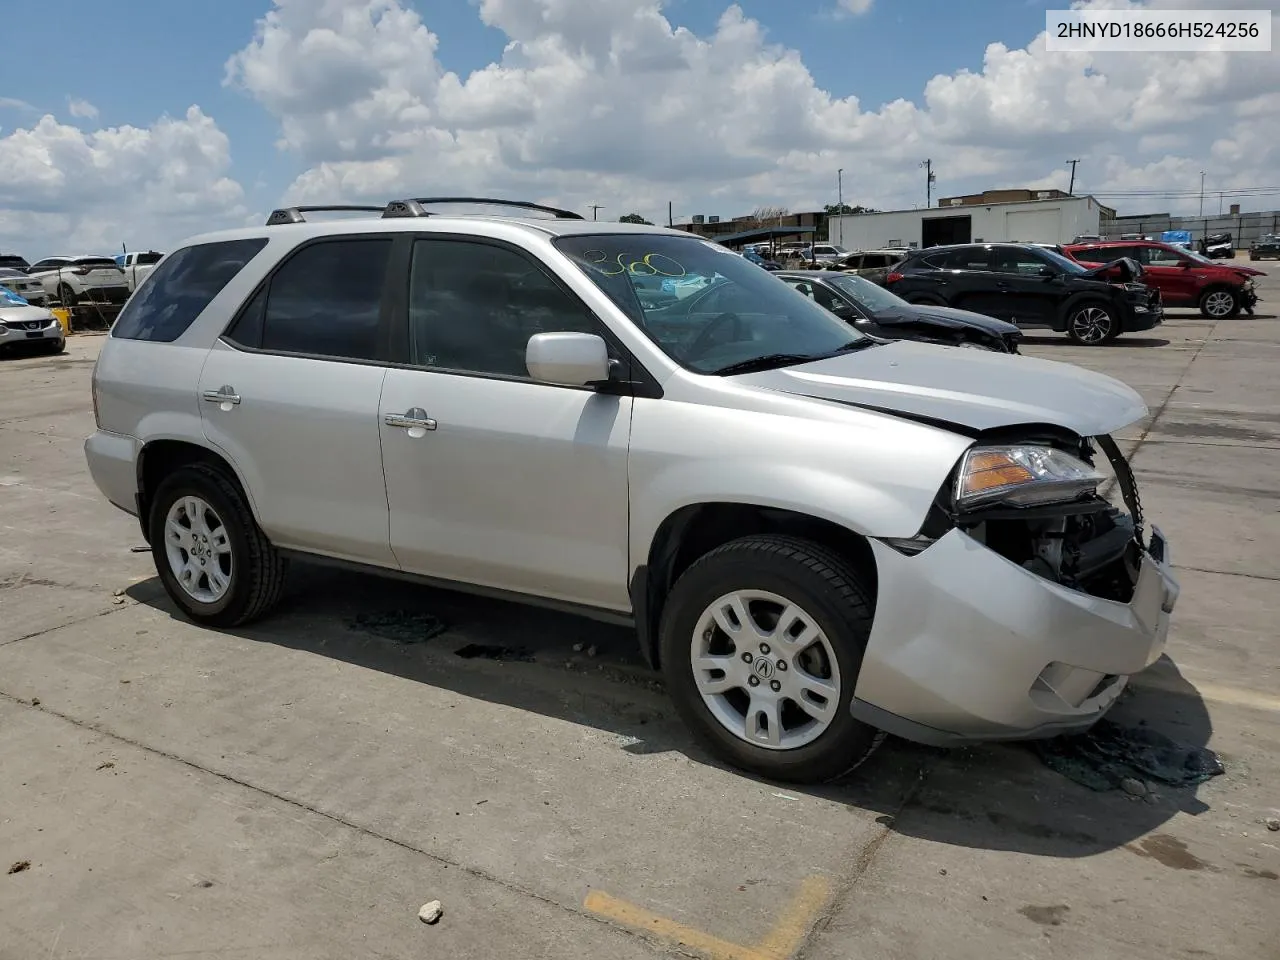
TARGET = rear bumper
(968,646)
(112,460)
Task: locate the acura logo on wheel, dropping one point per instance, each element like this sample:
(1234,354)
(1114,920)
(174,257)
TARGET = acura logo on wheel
(764,668)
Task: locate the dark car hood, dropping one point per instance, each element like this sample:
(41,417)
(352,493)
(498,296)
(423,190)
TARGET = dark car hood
(948,317)
(972,389)
(1129,270)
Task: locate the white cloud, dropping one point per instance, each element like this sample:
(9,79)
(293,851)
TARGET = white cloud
(614,102)
(611,101)
(13,103)
(82,109)
(68,190)
(855,7)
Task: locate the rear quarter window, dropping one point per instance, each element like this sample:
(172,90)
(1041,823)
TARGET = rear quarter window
(179,289)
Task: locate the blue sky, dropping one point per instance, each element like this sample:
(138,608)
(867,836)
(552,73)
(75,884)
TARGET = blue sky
(135,61)
(128,127)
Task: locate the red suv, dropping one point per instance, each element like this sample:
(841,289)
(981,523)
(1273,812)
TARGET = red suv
(1184,279)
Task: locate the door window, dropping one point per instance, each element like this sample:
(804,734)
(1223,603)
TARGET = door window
(325,300)
(1024,263)
(1158,257)
(473,307)
(966,258)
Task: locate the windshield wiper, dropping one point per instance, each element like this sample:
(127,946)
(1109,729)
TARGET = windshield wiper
(771,361)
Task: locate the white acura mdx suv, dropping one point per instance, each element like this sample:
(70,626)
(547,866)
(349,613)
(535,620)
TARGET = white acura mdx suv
(819,536)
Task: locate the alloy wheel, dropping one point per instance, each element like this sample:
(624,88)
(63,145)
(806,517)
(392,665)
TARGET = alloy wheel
(198,549)
(1219,304)
(1091,324)
(765,669)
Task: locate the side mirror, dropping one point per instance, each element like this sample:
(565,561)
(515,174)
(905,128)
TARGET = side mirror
(569,359)
(1048,272)
(844,311)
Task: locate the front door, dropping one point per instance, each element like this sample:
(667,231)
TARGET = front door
(1031,296)
(1170,271)
(290,395)
(494,479)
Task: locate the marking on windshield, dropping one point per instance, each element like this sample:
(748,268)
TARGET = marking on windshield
(644,266)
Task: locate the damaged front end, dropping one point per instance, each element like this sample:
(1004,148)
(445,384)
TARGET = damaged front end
(1083,541)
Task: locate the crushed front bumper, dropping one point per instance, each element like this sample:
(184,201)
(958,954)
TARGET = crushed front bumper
(969,646)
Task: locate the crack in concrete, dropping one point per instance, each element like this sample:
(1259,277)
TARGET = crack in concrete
(473,872)
(863,861)
(115,608)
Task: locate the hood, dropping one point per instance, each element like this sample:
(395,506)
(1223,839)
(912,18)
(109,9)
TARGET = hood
(971,389)
(14,312)
(1248,271)
(1127,270)
(948,317)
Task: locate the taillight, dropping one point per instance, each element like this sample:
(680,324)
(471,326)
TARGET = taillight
(894,277)
(93,389)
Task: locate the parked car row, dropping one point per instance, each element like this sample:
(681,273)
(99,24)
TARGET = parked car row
(820,535)
(76,279)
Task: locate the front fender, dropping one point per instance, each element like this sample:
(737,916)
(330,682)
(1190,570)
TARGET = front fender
(870,473)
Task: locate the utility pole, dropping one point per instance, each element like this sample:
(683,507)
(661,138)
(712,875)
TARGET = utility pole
(594,208)
(1071,189)
(840,191)
(929,178)
(670,222)
(1202,193)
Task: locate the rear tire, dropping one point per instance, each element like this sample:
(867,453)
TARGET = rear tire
(1092,323)
(792,722)
(1220,303)
(67,296)
(214,561)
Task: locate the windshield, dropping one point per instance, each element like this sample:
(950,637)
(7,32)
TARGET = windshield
(1064,264)
(703,305)
(871,297)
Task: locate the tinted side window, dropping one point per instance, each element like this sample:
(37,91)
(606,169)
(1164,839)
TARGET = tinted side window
(474,306)
(966,258)
(1102,255)
(326,300)
(1021,262)
(176,292)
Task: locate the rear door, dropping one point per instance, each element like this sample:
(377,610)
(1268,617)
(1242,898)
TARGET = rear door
(492,478)
(290,394)
(969,280)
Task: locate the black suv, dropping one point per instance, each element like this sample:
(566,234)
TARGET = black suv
(1030,286)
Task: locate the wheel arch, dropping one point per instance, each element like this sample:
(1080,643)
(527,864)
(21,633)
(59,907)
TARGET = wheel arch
(694,530)
(160,457)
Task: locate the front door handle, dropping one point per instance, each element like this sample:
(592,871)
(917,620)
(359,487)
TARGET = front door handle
(224,394)
(413,418)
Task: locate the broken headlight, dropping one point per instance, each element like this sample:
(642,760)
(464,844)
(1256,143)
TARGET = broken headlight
(1022,475)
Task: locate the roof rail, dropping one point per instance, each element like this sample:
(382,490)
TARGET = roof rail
(295,214)
(416,207)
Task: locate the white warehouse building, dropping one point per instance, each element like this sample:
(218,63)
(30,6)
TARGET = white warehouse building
(962,220)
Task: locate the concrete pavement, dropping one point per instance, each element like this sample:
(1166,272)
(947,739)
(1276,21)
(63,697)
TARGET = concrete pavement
(301,787)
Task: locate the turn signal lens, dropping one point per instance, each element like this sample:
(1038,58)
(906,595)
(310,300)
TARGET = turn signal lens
(1023,475)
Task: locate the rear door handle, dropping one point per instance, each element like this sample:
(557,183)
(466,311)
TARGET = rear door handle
(414,417)
(224,394)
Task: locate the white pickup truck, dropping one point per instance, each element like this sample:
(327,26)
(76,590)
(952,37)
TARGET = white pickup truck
(137,265)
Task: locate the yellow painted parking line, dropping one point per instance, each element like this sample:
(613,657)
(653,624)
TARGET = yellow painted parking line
(778,944)
(1214,692)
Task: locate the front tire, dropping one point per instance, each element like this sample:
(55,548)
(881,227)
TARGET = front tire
(1092,323)
(1219,303)
(214,561)
(762,641)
